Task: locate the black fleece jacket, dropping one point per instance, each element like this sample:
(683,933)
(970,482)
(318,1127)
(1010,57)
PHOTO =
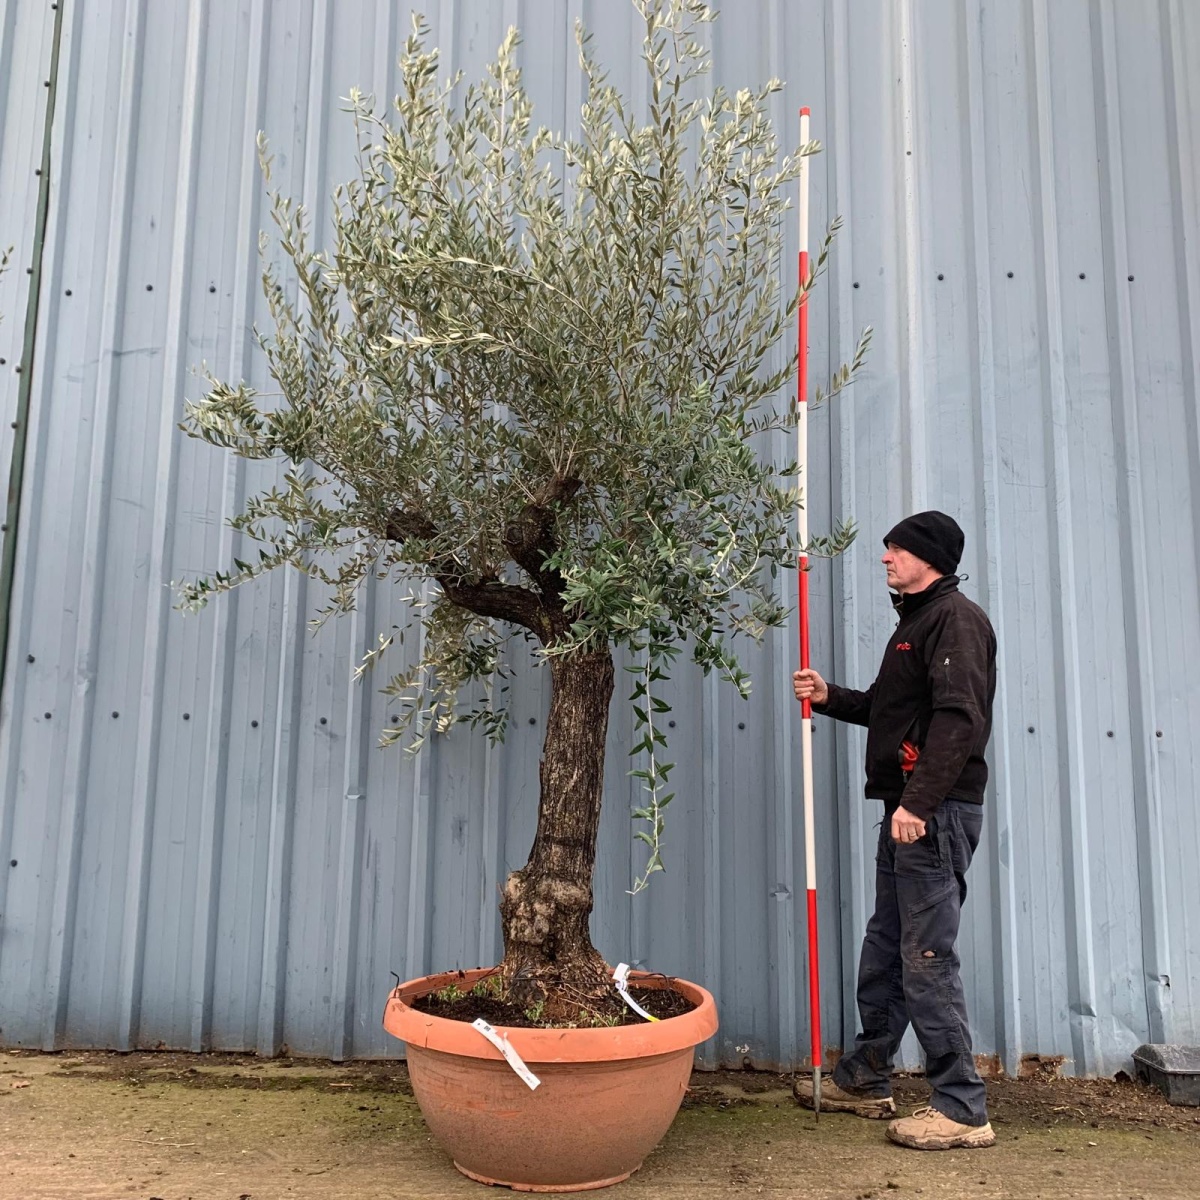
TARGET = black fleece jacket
(934,690)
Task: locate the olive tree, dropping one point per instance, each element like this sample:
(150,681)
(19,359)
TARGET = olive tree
(545,372)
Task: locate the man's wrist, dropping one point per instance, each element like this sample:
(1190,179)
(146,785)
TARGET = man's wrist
(918,807)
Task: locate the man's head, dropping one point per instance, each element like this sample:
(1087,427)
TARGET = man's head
(920,550)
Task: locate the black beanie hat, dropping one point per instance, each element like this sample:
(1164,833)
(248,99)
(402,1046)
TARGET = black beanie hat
(931,536)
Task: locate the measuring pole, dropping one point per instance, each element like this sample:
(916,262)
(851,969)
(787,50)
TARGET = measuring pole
(810,857)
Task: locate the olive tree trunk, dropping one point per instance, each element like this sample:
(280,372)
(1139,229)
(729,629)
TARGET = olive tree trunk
(549,959)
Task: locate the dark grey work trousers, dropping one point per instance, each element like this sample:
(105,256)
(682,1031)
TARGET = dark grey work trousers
(909,969)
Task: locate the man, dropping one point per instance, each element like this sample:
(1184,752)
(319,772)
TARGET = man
(928,717)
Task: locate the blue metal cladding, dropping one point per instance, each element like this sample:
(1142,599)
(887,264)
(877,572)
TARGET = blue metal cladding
(25,46)
(200,845)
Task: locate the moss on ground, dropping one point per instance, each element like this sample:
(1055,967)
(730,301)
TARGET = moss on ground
(175,1127)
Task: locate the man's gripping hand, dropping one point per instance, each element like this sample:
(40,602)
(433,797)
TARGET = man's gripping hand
(905,827)
(808,685)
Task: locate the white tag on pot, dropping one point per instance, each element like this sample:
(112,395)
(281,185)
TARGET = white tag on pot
(511,1057)
(621,980)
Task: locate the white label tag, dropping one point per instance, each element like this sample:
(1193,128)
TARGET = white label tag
(621,980)
(511,1057)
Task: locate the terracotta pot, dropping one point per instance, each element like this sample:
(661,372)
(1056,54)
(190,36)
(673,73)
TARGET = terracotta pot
(606,1098)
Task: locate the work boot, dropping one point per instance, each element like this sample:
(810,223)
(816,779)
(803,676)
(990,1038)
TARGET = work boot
(928,1129)
(836,1099)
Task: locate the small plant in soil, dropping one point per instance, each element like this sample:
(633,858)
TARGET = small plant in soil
(538,381)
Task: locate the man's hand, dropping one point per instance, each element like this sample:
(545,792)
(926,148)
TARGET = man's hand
(905,827)
(808,685)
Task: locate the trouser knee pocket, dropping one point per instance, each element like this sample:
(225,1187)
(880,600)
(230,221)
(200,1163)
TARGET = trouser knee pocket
(932,927)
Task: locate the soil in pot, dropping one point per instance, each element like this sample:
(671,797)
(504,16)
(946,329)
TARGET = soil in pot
(463,1001)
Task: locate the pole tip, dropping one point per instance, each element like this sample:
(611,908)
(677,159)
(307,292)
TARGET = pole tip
(804,112)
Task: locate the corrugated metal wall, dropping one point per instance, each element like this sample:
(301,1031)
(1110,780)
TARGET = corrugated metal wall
(199,844)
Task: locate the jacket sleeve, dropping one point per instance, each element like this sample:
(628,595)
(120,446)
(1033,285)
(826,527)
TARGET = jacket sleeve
(845,704)
(959,667)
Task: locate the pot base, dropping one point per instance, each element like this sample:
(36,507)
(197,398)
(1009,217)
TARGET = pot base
(546,1187)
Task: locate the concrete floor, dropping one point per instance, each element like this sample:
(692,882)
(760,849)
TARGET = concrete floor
(181,1127)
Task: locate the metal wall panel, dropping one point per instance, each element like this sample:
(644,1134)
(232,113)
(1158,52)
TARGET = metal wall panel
(200,845)
(25,54)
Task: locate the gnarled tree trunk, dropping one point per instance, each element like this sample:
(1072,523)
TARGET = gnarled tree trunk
(549,959)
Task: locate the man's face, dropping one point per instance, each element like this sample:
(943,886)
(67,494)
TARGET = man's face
(905,571)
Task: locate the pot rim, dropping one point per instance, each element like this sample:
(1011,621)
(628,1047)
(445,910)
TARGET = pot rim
(549,1045)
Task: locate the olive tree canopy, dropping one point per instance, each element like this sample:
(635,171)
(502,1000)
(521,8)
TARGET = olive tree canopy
(543,371)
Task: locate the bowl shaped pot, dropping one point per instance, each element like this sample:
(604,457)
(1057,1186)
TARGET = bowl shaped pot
(607,1096)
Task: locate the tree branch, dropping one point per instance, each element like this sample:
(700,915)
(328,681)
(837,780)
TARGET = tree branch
(501,602)
(490,597)
(403,525)
(530,540)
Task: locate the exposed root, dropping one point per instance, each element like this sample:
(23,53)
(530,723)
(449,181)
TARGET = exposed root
(576,992)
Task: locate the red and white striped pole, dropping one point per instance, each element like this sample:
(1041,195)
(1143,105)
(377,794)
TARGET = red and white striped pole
(810,857)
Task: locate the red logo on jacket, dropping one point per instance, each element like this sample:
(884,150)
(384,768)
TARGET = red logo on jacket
(904,645)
